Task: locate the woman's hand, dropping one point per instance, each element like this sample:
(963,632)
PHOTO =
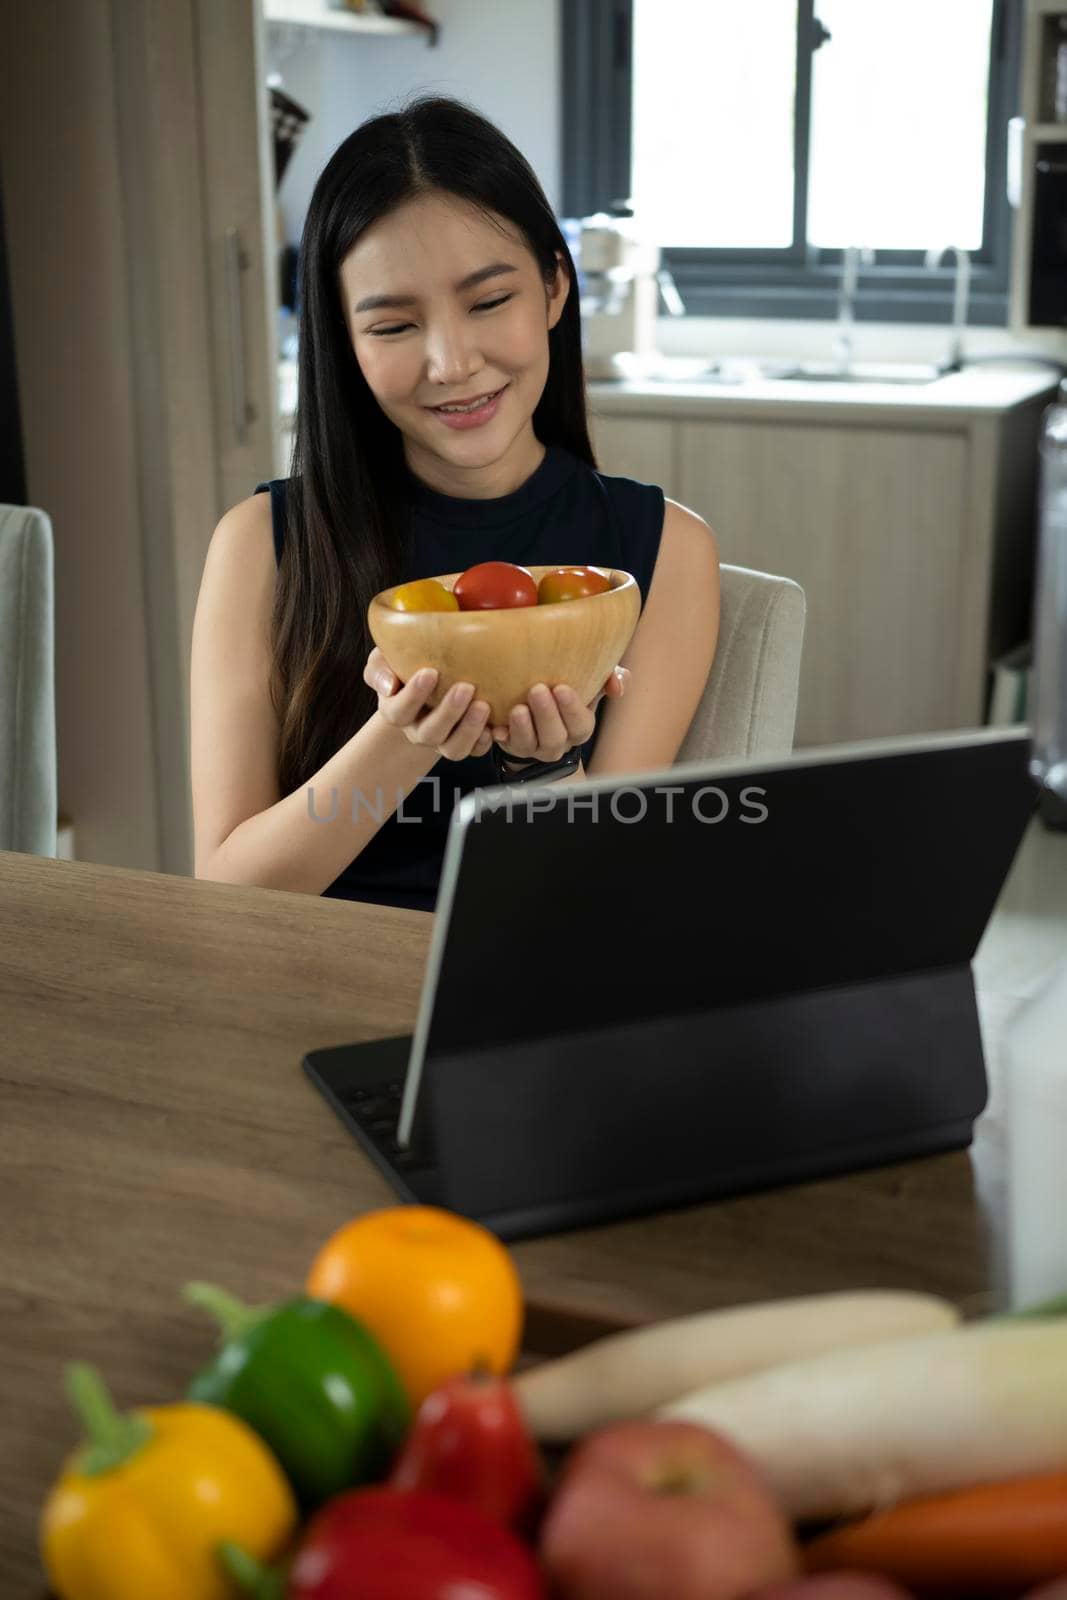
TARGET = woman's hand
(553,721)
(455,729)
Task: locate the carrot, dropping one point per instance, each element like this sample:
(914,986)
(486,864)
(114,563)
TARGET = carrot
(995,1537)
(858,1430)
(626,1374)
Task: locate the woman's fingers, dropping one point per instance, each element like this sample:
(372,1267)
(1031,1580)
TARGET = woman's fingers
(455,727)
(519,737)
(403,707)
(551,721)
(546,726)
(440,723)
(452,727)
(578,720)
(377,672)
(554,720)
(466,734)
(614,684)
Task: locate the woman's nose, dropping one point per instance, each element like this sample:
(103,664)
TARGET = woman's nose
(452,354)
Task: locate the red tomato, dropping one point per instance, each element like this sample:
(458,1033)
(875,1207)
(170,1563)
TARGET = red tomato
(493,586)
(424,594)
(571,583)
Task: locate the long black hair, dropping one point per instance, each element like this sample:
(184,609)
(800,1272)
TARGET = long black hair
(349,491)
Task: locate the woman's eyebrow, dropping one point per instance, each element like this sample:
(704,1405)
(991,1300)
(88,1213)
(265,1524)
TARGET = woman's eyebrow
(375,302)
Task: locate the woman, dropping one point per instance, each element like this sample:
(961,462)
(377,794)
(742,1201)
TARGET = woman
(432,273)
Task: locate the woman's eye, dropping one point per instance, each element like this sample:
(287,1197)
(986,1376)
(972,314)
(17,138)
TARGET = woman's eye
(487,305)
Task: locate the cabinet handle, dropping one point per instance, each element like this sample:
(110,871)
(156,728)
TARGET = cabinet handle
(1013,177)
(236,261)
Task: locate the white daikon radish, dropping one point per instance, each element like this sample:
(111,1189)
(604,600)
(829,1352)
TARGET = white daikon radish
(857,1430)
(627,1374)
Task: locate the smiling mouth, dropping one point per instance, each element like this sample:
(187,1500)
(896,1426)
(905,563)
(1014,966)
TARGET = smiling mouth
(468,405)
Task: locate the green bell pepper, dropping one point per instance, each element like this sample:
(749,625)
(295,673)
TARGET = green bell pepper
(313,1383)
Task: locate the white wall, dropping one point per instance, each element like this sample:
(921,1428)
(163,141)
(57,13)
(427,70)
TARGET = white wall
(502,59)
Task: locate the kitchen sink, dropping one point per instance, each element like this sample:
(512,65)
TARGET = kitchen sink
(863,372)
(736,370)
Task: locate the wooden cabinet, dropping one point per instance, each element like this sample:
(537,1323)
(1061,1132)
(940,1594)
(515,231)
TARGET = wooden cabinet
(872,526)
(635,447)
(911,535)
(137,195)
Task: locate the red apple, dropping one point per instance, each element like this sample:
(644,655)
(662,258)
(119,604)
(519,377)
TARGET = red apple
(648,1509)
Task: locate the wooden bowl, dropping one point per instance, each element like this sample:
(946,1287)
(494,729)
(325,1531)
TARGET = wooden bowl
(504,653)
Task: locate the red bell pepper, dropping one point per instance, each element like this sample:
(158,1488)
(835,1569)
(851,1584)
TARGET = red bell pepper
(469,1439)
(389,1544)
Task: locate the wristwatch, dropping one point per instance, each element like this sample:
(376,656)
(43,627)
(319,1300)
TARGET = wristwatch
(513,769)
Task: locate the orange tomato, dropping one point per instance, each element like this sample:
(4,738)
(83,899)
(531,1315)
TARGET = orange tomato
(438,1291)
(571,583)
(424,594)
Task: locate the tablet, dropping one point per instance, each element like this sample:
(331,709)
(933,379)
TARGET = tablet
(649,990)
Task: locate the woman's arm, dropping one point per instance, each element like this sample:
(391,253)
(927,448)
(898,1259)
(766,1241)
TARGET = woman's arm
(670,654)
(245,831)
(289,846)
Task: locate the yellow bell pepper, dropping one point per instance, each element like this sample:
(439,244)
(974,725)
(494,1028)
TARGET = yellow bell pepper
(140,1510)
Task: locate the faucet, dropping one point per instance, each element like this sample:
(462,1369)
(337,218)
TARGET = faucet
(851,258)
(959,300)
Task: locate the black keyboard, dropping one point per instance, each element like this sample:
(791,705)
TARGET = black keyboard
(376,1107)
(364,1085)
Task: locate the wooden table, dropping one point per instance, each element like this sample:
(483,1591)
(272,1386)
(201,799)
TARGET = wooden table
(156,1126)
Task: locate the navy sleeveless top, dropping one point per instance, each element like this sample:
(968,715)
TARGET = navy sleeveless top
(565,513)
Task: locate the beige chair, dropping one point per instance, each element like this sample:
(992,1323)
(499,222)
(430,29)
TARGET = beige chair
(748,708)
(28,764)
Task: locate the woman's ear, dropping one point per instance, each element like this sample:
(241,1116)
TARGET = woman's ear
(557,294)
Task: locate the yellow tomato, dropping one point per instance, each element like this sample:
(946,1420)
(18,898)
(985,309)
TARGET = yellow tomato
(438,1291)
(424,594)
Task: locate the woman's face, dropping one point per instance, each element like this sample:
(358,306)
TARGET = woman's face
(450,341)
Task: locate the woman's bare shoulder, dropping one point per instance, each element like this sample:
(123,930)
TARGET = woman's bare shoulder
(240,568)
(251,513)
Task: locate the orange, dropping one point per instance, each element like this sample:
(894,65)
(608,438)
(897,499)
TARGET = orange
(439,1292)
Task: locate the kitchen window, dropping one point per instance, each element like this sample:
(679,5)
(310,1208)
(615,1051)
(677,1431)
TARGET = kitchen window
(759,139)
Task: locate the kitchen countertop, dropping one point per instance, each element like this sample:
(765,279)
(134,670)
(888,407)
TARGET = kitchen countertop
(975,391)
